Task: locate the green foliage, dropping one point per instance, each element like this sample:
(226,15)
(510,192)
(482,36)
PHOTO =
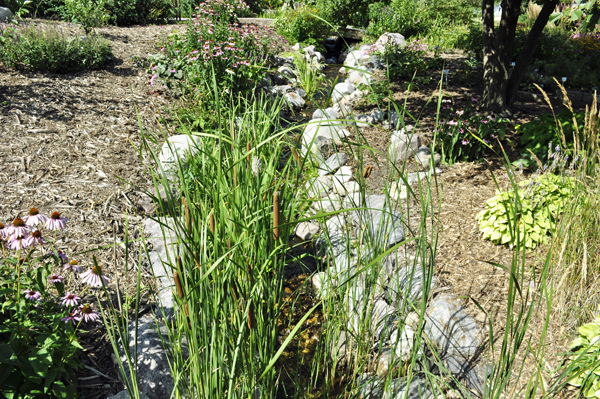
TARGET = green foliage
(45,49)
(302,24)
(346,12)
(541,135)
(584,370)
(471,41)
(129,12)
(542,199)
(89,14)
(411,60)
(465,135)
(308,74)
(399,17)
(235,56)
(38,351)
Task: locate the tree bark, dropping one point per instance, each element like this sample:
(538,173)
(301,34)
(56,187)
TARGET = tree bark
(526,54)
(501,83)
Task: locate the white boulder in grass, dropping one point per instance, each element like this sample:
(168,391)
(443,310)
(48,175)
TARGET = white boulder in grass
(340,90)
(403,144)
(5,14)
(388,40)
(177,150)
(296,47)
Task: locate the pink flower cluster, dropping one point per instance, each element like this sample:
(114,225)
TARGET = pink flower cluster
(86,313)
(417,45)
(23,233)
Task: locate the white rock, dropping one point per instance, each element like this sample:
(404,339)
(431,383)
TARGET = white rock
(320,57)
(177,149)
(329,203)
(319,186)
(306,230)
(343,175)
(354,57)
(294,100)
(356,95)
(329,113)
(310,50)
(402,145)
(5,14)
(345,188)
(402,342)
(354,77)
(296,47)
(390,40)
(340,90)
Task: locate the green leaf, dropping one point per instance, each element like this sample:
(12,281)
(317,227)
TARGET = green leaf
(589,330)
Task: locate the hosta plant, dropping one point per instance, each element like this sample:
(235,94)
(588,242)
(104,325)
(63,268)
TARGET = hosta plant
(541,200)
(584,367)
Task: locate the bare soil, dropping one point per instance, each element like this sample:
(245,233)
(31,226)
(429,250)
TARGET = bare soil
(69,143)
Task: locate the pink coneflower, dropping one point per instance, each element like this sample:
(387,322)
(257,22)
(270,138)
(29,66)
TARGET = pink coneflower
(18,228)
(55,278)
(32,295)
(70,299)
(453,122)
(492,117)
(88,313)
(17,242)
(465,142)
(35,217)
(73,266)
(446,100)
(173,70)
(56,222)
(474,100)
(72,317)
(34,238)
(94,277)
(460,111)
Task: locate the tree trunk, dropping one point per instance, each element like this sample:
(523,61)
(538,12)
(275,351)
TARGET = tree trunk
(526,54)
(501,83)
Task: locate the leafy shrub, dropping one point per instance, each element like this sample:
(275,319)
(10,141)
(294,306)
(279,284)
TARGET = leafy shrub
(542,134)
(89,14)
(345,12)
(542,198)
(584,371)
(385,18)
(301,24)
(472,41)
(214,44)
(129,12)
(45,49)
(561,54)
(412,59)
(38,317)
(465,135)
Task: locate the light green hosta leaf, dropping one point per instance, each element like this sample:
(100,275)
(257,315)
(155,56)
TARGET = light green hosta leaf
(577,342)
(576,381)
(505,239)
(589,330)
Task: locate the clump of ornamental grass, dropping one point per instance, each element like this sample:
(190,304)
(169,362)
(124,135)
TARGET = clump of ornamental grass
(39,318)
(48,49)
(308,73)
(577,271)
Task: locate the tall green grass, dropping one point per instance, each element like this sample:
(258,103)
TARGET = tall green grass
(235,224)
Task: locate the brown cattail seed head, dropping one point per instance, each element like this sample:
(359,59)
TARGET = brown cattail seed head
(367,171)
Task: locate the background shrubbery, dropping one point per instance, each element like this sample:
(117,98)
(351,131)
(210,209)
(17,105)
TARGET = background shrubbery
(47,49)
(302,25)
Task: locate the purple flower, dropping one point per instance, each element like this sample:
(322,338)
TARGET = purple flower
(32,295)
(18,228)
(94,277)
(494,136)
(453,122)
(88,313)
(474,100)
(465,141)
(55,278)
(173,70)
(17,242)
(70,300)
(73,266)
(35,217)
(56,222)
(34,238)
(72,317)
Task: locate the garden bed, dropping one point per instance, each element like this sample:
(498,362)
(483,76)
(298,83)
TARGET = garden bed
(68,140)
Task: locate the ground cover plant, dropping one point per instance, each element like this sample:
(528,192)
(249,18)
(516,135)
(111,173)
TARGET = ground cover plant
(39,319)
(45,48)
(214,45)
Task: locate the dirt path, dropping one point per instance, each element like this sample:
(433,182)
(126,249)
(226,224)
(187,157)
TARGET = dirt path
(65,142)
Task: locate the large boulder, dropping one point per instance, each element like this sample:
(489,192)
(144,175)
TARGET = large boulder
(176,152)
(390,40)
(340,90)
(5,14)
(403,144)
